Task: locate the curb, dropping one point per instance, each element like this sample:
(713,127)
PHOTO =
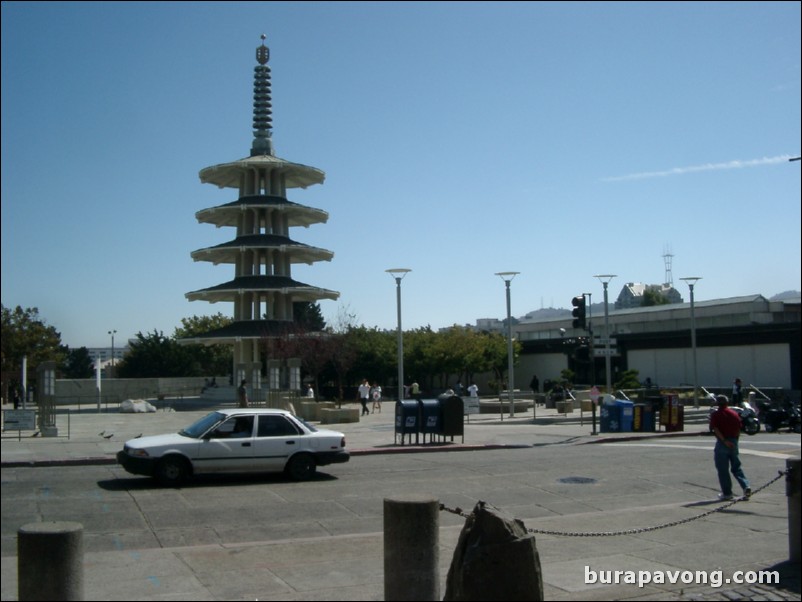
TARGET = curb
(369,451)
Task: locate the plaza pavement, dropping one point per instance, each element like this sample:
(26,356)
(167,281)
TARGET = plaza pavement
(83,439)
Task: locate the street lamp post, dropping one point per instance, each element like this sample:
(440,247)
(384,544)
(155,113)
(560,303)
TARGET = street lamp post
(507,278)
(605,280)
(112,333)
(398,274)
(691,281)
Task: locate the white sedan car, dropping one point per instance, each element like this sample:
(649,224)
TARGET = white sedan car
(237,441)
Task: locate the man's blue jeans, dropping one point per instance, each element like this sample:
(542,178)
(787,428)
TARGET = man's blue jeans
(727,460)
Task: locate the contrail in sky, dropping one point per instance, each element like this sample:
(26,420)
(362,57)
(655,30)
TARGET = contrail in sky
(678,171)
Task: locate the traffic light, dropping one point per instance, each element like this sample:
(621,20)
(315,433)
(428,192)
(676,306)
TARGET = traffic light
(579,311)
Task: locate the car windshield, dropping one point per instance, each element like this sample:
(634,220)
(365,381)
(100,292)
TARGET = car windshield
(196,429)
(306,424)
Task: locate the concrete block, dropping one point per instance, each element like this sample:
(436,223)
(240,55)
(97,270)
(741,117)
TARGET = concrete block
(334,416)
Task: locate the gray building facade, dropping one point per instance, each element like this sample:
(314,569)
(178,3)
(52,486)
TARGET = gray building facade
(750,338)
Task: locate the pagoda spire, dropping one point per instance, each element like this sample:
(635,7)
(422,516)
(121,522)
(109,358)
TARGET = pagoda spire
(262,105)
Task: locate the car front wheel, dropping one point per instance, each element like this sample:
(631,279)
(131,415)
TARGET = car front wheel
(301,467)
(172,471)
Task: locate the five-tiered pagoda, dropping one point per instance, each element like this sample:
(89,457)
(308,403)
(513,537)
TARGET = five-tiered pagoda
(261,252)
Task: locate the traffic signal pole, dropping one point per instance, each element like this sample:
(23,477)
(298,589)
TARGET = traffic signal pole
(592,363)
(582,320)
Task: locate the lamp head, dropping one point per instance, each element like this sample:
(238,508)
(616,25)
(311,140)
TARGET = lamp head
(507,276)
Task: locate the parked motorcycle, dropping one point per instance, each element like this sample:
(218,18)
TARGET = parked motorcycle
(783,417)
(749,420)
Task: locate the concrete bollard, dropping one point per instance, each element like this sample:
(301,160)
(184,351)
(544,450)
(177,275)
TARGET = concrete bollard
(50,561)
(793,491)
(411,548)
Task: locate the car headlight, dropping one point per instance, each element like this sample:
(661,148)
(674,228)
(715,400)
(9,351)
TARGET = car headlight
(138,453)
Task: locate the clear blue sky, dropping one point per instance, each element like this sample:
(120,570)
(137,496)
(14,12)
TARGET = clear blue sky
(559,140)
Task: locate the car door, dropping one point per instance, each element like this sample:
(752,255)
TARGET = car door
(228,447)
(276,440)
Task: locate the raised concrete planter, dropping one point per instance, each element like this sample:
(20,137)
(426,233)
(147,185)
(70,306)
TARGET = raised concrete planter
(334,416)
(491,406)
(565,407)
(310,410)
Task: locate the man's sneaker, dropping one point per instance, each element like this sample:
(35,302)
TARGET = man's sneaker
(724,497)
(747,493)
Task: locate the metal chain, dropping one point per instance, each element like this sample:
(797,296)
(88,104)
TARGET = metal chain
(460,512)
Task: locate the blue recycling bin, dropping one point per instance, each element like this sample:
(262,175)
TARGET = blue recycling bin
(625,415)
(610,418)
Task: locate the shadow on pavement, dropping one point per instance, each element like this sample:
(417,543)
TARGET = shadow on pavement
(229,480)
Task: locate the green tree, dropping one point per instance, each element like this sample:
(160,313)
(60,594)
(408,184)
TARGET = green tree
(308,317)
(479,357)
(77,363)
(376,355)
(25,334)
(628,379)
(419,354)
(497,352)
(209,360)
(155,355)
(341,350)
(653,296)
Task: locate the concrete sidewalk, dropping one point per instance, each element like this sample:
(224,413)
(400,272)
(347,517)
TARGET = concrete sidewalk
(86,436)
(303,568)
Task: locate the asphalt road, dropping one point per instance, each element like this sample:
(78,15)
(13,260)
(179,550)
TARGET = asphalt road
(555,486)
(228,537)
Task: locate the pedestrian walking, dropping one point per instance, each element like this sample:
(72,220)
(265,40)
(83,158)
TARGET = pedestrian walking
(242,394)
(737,395)
(364,395)
(726,425)
(376,397)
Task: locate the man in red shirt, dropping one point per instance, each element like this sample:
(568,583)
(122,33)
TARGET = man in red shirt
(726,424)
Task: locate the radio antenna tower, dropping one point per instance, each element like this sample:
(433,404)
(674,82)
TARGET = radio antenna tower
(667,257)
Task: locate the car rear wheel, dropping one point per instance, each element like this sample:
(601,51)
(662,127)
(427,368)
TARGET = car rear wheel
(301,467)
(172,470)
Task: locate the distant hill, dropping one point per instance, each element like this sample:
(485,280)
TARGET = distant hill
(546,313)
(597,309)
(785,295)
